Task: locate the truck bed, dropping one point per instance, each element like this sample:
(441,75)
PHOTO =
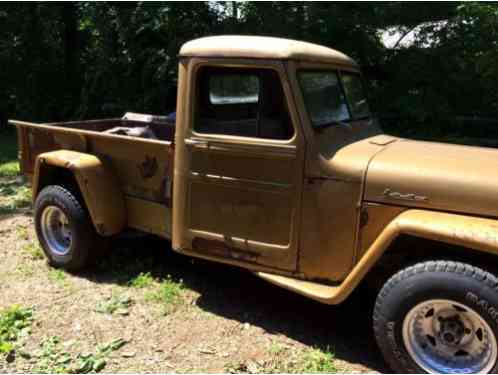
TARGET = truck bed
(143,166)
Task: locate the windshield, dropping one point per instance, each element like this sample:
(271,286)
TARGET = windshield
(327,100)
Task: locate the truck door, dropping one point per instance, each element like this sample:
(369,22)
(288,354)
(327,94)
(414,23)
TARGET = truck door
(238,165)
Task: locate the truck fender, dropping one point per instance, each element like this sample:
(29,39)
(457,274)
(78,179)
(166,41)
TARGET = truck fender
(98,185)
(472,232)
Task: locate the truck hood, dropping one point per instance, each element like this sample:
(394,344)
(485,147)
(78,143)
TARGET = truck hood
(435,176)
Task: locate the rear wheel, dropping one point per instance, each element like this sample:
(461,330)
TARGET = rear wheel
(64,229)
(439,317)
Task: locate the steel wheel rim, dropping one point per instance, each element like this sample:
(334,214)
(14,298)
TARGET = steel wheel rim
(56,230)
(444,336)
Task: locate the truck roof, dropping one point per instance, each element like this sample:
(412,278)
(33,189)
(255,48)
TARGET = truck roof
(263,48)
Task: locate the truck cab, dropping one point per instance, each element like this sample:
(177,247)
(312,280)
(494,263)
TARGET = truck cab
(272,141)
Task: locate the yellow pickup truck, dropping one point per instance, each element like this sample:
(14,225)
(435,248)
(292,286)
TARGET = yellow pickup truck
(273,163)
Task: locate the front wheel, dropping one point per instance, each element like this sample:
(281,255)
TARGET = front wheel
(64,229)
(439,317)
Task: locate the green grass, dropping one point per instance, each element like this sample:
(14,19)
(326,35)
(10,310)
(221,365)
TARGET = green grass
(168,294)
(15,322)
(116,304)
(9,165)
(22,233)
(57,276)
(25,270)
(317,361)
(9,168)
(33,251)
(14,196)
(142,280)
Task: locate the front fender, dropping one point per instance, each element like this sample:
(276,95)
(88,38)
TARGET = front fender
(471,232)
(97,183)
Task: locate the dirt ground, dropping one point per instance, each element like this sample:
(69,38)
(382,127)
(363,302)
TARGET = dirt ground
(224,319)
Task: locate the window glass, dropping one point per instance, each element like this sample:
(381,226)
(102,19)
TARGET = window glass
(244,102)
(355,93)
(323,97)
(233,89)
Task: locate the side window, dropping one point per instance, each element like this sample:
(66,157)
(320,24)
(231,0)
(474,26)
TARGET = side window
(241,102)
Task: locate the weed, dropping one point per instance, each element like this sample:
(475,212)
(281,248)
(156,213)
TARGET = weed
(53,360)
(15,197)
(168,294)
(22,233)
(317,361)
(15,322)
(50,359)
(33,250)
(57,276)
(9,168)
(118,304)
(276,348)
(25,270)
(143,280)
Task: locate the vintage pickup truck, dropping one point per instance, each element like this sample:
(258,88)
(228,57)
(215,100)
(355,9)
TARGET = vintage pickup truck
(275,164)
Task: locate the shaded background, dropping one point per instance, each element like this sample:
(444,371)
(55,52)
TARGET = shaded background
(432,67)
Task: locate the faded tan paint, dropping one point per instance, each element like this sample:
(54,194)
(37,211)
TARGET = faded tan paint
(265,48)
(97,183)
(471,232)
(312,214)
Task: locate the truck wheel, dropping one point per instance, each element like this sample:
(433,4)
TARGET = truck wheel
(64,229)
(439,317)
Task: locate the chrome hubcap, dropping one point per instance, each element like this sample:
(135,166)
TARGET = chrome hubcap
(55,230)
(444,336)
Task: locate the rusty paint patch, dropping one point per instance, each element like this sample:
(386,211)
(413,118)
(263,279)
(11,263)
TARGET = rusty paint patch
(148,168)
(222,249)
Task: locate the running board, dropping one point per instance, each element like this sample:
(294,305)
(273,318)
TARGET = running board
(319,292)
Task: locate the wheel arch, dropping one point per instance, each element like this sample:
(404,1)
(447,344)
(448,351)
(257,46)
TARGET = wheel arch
(418,235)
(94,181)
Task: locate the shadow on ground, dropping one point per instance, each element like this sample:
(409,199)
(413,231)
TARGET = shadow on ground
(237,294)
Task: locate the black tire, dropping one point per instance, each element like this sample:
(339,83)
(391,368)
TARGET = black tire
(85,242)
(432,280)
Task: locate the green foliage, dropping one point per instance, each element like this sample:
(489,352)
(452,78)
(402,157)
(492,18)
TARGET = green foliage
(168,294)
(142,280)
(15,322)
(82,60)
(9,166)
(14,196)
(33,251)
(52,360)
(317,361)
(116,304)
(57,276)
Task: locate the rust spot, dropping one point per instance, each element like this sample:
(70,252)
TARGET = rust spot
(222,249)
(148,168)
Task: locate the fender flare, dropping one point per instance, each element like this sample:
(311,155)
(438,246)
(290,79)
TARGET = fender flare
(473,232)
(97,182)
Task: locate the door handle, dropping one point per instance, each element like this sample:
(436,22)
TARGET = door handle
(196,142)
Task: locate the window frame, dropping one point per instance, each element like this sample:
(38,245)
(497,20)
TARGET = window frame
(242,64)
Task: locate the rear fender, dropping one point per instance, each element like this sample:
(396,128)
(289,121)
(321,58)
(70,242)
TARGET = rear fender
(97,182)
